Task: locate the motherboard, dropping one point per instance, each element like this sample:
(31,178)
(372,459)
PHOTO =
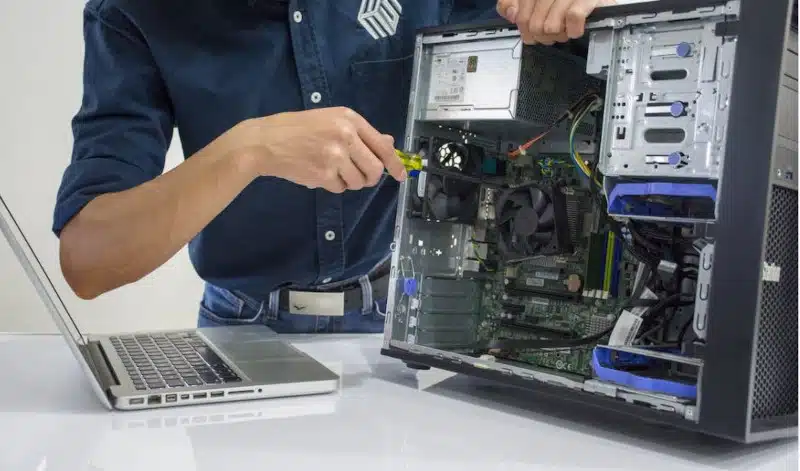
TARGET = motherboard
(518,250)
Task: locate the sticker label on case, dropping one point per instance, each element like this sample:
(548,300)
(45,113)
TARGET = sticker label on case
(771,273)
(448,79)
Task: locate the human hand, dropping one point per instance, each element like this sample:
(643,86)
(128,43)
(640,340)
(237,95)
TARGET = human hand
(549,21)
(331,148)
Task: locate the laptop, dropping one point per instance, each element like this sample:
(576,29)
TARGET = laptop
(146,370)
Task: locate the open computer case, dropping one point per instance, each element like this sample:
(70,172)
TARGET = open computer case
(612,220)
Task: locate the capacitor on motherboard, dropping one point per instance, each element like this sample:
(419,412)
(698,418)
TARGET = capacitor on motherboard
(573,283)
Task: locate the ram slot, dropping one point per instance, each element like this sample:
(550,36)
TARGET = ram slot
(609,262)
(595,267)
(616,270)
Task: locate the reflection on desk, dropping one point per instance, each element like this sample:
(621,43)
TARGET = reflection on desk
(386,417)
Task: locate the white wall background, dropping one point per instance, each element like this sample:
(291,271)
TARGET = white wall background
(40,90)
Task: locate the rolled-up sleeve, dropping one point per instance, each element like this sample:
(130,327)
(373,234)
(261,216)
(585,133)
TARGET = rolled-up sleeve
(124,125)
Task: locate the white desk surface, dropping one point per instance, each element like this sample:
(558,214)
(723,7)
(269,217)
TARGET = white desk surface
(386,417)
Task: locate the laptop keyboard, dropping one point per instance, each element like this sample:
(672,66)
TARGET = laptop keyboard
(173,360)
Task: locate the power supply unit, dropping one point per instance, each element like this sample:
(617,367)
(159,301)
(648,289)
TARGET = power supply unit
(498,84)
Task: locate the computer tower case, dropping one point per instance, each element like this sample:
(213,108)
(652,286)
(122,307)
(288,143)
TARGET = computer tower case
(611,220)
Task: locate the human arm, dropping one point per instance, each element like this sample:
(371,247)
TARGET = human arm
(549,21)
(119,218)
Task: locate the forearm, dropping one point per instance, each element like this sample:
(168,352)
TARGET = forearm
(119,238)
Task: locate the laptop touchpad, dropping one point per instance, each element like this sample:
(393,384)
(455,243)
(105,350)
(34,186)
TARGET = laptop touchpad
(266,350)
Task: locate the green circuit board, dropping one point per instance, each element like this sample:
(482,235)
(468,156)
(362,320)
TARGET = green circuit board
(542,317)
(468,294)
(571,296)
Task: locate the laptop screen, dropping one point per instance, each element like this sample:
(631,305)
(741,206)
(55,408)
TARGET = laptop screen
(37,274)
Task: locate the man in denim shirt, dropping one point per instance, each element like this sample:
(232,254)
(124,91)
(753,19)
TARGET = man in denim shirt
(287,112)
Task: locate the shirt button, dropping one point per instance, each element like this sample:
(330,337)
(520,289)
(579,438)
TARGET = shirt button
(298,17)
(316,97)
(330,235)
(326,280)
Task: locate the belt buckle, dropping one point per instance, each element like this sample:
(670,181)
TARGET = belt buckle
(315,303)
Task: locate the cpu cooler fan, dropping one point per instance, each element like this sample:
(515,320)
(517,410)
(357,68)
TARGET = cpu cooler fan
(532,221)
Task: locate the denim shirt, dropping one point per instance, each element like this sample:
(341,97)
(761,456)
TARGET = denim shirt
(200,67)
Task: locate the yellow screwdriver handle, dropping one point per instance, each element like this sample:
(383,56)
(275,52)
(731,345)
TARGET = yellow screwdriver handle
(412,162)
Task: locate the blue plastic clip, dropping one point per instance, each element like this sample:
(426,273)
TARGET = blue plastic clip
(410,286)
(603,365)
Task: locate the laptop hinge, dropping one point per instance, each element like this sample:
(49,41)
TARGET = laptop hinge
(100,364)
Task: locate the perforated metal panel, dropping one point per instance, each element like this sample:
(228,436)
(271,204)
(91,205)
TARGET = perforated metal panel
(550,82)
(775,383)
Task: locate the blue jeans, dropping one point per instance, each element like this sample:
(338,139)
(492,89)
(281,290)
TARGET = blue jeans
(221,307)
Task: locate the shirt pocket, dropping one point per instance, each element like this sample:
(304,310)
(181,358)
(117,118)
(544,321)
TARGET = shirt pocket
(380,90)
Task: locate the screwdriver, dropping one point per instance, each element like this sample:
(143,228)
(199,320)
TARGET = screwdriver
(412,162)
(415,163)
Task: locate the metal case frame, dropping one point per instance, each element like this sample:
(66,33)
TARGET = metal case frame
(738,319)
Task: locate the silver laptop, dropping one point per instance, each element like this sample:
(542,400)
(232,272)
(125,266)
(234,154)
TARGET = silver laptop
(163,369)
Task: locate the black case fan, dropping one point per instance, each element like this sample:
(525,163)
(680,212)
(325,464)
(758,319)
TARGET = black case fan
(450,199)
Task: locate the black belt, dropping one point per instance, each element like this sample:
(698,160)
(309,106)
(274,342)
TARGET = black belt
(334,302)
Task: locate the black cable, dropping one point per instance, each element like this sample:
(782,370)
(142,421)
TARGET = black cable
(684,330)
(673,301)
(654,232)
(646,258)
(585,101)
(638,237)
(670,301)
